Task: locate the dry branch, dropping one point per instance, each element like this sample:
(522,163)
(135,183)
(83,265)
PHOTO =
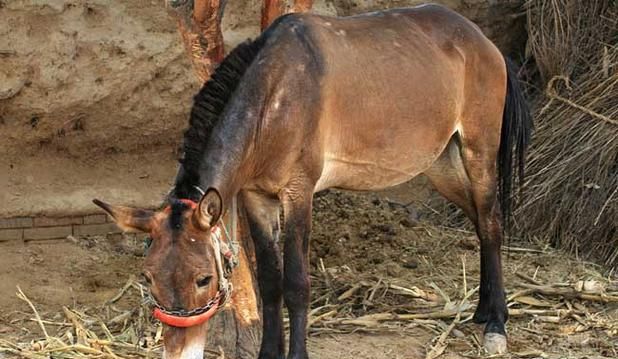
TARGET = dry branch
(570,293)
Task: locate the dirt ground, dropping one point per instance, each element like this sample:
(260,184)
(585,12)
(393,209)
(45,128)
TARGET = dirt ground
(102,93)
(391,237)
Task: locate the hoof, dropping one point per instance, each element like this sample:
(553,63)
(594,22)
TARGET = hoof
(494,343)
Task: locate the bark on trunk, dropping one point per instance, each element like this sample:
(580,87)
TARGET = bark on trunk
(227,330)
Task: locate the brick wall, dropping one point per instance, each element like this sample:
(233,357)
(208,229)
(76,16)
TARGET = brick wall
(45,228)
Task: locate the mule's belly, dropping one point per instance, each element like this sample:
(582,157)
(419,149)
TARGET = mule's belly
(351,174)
(393,97)
(393,94)
(379,134)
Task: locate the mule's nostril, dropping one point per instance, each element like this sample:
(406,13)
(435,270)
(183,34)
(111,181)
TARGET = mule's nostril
(203,281)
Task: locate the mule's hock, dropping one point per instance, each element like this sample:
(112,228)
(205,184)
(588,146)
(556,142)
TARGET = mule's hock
(94,94)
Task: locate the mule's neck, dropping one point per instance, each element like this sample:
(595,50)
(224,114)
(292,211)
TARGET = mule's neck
(226,163)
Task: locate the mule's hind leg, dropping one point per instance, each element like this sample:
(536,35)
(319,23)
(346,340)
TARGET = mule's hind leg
(479,157)
(450,179)
(263,217)
(467,177)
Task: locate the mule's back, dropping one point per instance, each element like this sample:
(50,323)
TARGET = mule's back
(392,80)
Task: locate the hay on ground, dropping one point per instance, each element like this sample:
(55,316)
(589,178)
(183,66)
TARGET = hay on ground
(552,310)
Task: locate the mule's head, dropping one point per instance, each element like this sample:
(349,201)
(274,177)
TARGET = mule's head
(182,267)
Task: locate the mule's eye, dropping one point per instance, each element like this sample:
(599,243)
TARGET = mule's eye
(203,281)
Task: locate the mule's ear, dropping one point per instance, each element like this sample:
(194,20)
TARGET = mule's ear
(209,209)
(128,219)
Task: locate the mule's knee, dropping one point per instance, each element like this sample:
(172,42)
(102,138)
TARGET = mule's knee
(270,277)
(296,292)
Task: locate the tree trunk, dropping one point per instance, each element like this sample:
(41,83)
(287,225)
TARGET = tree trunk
(228,331)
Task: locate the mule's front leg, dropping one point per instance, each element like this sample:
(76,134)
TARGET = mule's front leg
(296,284)
(263,216)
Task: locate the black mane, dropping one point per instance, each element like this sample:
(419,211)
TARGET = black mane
(210,102)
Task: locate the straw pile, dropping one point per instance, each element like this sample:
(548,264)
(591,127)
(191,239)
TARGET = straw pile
(572,174)
(104,332)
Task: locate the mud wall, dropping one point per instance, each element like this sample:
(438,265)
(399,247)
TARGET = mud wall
(94,94)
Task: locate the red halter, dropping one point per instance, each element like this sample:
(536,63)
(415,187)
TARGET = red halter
(185,319)
(184,322)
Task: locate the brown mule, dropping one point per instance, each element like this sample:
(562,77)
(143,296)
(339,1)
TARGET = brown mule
(358,103)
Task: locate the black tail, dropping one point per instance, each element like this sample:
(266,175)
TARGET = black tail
(516,131)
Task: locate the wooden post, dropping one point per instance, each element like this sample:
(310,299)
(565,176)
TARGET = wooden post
(302,5)
(200,29)
(271,9)
(238,330)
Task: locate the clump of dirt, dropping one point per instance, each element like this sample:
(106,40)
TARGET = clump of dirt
(85,271)
(90,79)
(379,236)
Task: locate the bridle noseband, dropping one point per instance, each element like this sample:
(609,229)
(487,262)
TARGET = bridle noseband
(226,260)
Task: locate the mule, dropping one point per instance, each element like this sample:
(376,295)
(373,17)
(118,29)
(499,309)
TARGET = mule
(358,103)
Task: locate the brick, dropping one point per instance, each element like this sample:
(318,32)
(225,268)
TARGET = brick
(16,222)
(95,219)
(56,221)
(46,241)
(95,229)
(11,234)
(47,232)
